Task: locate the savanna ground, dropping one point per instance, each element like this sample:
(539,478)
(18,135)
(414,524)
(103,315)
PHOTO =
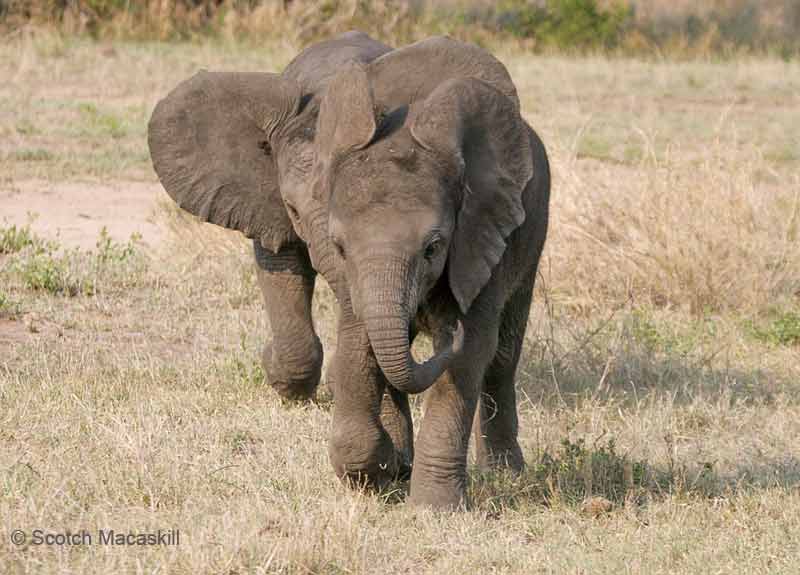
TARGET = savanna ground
(659,392)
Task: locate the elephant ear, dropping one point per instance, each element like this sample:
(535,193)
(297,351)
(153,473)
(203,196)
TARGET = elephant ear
(479,130)
(209,141)
(346,122)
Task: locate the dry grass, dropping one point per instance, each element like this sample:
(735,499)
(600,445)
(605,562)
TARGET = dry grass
(661,371)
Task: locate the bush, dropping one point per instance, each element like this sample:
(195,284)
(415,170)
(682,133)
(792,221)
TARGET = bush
(564,24)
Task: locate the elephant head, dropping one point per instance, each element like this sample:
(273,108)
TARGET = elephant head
(422,195)
(236,149)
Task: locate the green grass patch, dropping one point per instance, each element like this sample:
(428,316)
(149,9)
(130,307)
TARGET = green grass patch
(26,127)
(658,336)
(8,307)
(595,147)
(783,328)
(32,155)
(101,122)
(785,155)
(14,239)
(46,271)
(633,154)
(44,266)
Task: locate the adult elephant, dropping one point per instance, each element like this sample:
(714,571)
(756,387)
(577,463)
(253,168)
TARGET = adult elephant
(437,193)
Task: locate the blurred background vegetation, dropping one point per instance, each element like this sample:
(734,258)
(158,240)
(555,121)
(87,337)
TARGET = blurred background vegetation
(661,27)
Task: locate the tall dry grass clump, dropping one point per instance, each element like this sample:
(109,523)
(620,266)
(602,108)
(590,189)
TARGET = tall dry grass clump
(298,21)
(709,238)
(680,194)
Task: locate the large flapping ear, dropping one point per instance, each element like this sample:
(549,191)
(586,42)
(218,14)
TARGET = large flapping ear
(472,124)
(209,141)
(346,122)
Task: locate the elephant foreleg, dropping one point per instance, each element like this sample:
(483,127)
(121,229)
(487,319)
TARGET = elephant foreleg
(496,424)
(366,422)
(293,360)
(439,476)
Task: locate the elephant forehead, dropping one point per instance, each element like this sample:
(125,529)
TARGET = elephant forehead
(386,224)
(382,176)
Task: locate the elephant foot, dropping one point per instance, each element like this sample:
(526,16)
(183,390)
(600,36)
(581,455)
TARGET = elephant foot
(443,490)
(294,376)
(404,466)
(509,458)
(367,460)
(440,497)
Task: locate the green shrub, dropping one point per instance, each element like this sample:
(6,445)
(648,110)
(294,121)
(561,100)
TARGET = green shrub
(32,155)
(564,24)
(45,270)
(570,474)
(109,250)
(102,123)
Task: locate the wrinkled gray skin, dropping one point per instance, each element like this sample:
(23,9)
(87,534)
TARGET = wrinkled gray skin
(437,194)
(391,161)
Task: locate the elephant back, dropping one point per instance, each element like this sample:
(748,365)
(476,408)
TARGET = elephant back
(406,75)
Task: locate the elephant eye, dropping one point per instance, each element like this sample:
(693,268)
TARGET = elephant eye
(265,147)
(292,212)
(432,248)
(339,249)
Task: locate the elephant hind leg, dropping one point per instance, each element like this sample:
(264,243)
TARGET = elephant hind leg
(496,424)
(292,361)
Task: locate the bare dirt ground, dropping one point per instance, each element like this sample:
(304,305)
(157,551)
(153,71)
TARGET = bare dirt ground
(76,212)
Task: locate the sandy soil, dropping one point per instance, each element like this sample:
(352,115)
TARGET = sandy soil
(76,212)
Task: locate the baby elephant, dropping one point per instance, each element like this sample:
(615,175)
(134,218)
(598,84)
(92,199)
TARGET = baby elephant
(415,187)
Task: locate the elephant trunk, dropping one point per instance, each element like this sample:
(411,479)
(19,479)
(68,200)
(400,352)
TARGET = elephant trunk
(387,302)
(315,233)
